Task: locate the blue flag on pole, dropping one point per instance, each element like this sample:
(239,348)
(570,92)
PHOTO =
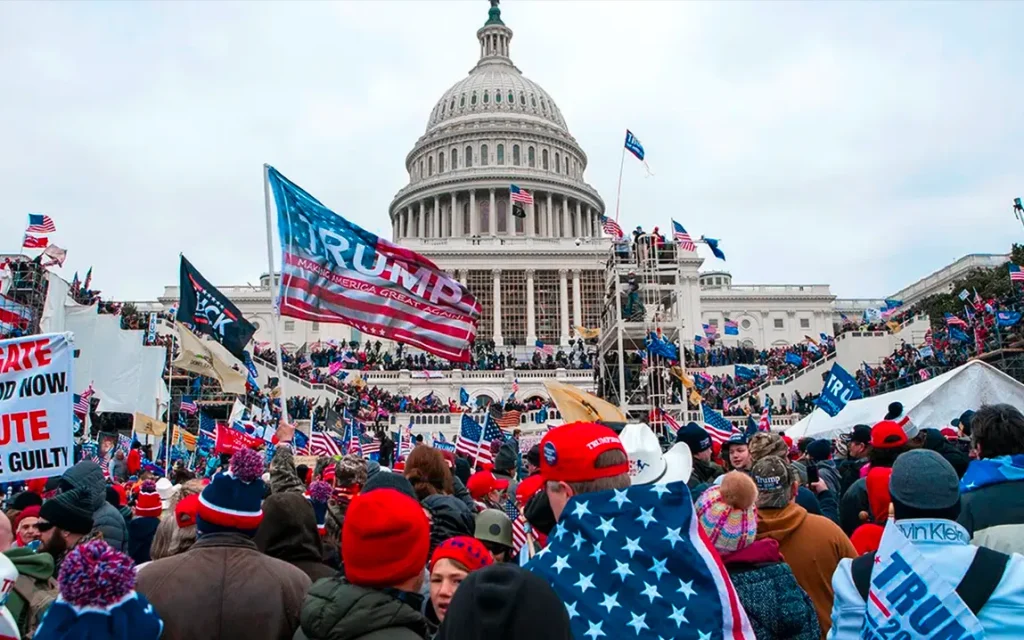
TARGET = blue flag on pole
(463,396)
(839,389)
(1007,318)
(713,245)
(957,335)
(745,373)
(633,145)
(793,358)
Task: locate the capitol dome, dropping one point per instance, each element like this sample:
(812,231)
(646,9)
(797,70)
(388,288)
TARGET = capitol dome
(491,130)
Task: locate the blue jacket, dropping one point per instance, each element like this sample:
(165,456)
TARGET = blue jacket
(950,552)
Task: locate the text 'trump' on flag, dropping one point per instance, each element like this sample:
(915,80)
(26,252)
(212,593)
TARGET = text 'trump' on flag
(335,271)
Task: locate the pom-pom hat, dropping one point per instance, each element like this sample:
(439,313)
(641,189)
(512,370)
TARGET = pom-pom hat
(319,493)
(232,502)
(727,513)
(569,453)
(148,504)
(385,539)
(98,599)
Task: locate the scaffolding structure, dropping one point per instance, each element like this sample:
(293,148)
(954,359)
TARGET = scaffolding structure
(24,296)
(646,297)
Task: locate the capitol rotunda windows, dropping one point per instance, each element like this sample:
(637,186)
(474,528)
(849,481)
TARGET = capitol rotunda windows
(469,157)
(483,155)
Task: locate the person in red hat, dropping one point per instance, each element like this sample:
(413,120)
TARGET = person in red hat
(487,489)
(451,563)
(581,457)
(142,527)
(888,442)
(385,543)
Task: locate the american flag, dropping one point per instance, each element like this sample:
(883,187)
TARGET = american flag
(322,444)
(188,405)
(546,349)
(520,195)
(765,423)
(611,227)
(405,440)
(515,386)
(670,422)
(82,402)
(716,425)
(643,553)
(518,530)
(39,223)
(375,286)
(509,419)
(1016,273)
(683,238)
(475,441)
(373,446)
(955,321)
(35,242)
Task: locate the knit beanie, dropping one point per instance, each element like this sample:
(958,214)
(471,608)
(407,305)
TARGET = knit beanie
(68,510)
(231,503)
(390,480)
(820,450)
(319,493)
(26,499)
(469,552)
(98,599)
(148,504)
(695,437)
(350,470)
(385,539)
(727,513)
(505,602)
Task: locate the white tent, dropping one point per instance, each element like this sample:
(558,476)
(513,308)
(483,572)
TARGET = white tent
(929,404)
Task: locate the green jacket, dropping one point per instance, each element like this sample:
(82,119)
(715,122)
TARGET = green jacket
(35,582)
(336,610)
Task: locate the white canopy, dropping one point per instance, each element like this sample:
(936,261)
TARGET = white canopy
(929,405)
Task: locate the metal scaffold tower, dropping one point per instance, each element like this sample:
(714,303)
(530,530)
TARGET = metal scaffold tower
(646,298)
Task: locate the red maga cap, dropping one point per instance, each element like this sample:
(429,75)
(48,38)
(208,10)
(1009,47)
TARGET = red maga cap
(568,453)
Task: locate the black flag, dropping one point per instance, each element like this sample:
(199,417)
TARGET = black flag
(206,308)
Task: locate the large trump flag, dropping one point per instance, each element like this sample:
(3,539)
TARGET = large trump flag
(334,271)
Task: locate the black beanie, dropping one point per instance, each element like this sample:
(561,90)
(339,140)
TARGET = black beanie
(390,480)
(505,602)
(533,455)
(67,511)
(895,411)
(26,499)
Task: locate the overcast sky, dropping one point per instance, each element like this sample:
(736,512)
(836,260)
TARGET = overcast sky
(861,145)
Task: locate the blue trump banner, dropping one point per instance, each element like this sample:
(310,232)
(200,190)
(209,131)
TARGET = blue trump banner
(745,373)
(839,389)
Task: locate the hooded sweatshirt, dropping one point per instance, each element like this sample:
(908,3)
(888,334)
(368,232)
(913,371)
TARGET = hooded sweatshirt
(106,519)
(813,546)
(992,503)
(288,532)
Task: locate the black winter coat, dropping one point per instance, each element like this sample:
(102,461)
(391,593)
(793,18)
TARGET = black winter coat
(336,610)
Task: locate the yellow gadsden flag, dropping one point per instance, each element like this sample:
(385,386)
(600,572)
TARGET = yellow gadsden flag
(587,334)
(210,358)
(576,405)
(148,426)
(184,437)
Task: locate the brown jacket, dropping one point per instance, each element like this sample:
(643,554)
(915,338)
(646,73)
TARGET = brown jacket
(223,587)
(812,546)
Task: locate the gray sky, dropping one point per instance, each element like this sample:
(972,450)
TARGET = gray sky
(862,145)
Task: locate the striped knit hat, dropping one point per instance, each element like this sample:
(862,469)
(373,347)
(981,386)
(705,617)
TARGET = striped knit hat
(319,493)
(232,502)
(727,512)
(148,504)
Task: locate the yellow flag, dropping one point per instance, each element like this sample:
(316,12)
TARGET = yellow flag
(577,405)
(210,358)
(186,438)
(587,334)
(810,339)
(148,426)
(893,326)
(695,397)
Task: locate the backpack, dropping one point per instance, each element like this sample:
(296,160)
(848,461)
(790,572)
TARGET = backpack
(975,588)
(37,599)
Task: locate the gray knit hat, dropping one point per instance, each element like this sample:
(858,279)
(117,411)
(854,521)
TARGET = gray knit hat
(69,511)
(923,479)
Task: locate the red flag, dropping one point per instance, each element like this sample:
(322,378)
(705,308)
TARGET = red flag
(35,242)
(231,440)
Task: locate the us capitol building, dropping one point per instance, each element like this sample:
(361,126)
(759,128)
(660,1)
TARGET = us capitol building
(539,276)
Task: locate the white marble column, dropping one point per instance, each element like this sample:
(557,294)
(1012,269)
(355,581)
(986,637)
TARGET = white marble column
(437,216)
(492,217)
(510,222)
(462,276)
(454,219)
(563,303)
(550,224)
(589,225)
(566,226)
(531,216)
(531,322)
(474,222)
(577,301)
(406,217)
(422,223)
(394,226)
(579,220)
(498,339)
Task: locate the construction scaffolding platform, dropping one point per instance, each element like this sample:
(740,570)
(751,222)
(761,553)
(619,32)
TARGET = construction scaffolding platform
(651,293)
(24,294)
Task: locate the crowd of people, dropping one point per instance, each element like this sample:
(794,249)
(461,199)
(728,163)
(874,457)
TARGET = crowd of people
(444,546)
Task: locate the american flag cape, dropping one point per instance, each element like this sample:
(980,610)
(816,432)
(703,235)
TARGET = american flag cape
(634,563)
(335,271)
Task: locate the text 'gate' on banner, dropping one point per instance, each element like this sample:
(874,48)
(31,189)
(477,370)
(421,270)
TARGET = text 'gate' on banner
(36,406)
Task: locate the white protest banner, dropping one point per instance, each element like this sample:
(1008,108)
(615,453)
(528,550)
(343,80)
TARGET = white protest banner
(908,599)
(36,418)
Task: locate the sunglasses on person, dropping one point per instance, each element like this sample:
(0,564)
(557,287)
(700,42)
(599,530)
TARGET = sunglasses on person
(43,525)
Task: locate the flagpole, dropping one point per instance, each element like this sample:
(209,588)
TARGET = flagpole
(618,191)
(275,315)
(167,436)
